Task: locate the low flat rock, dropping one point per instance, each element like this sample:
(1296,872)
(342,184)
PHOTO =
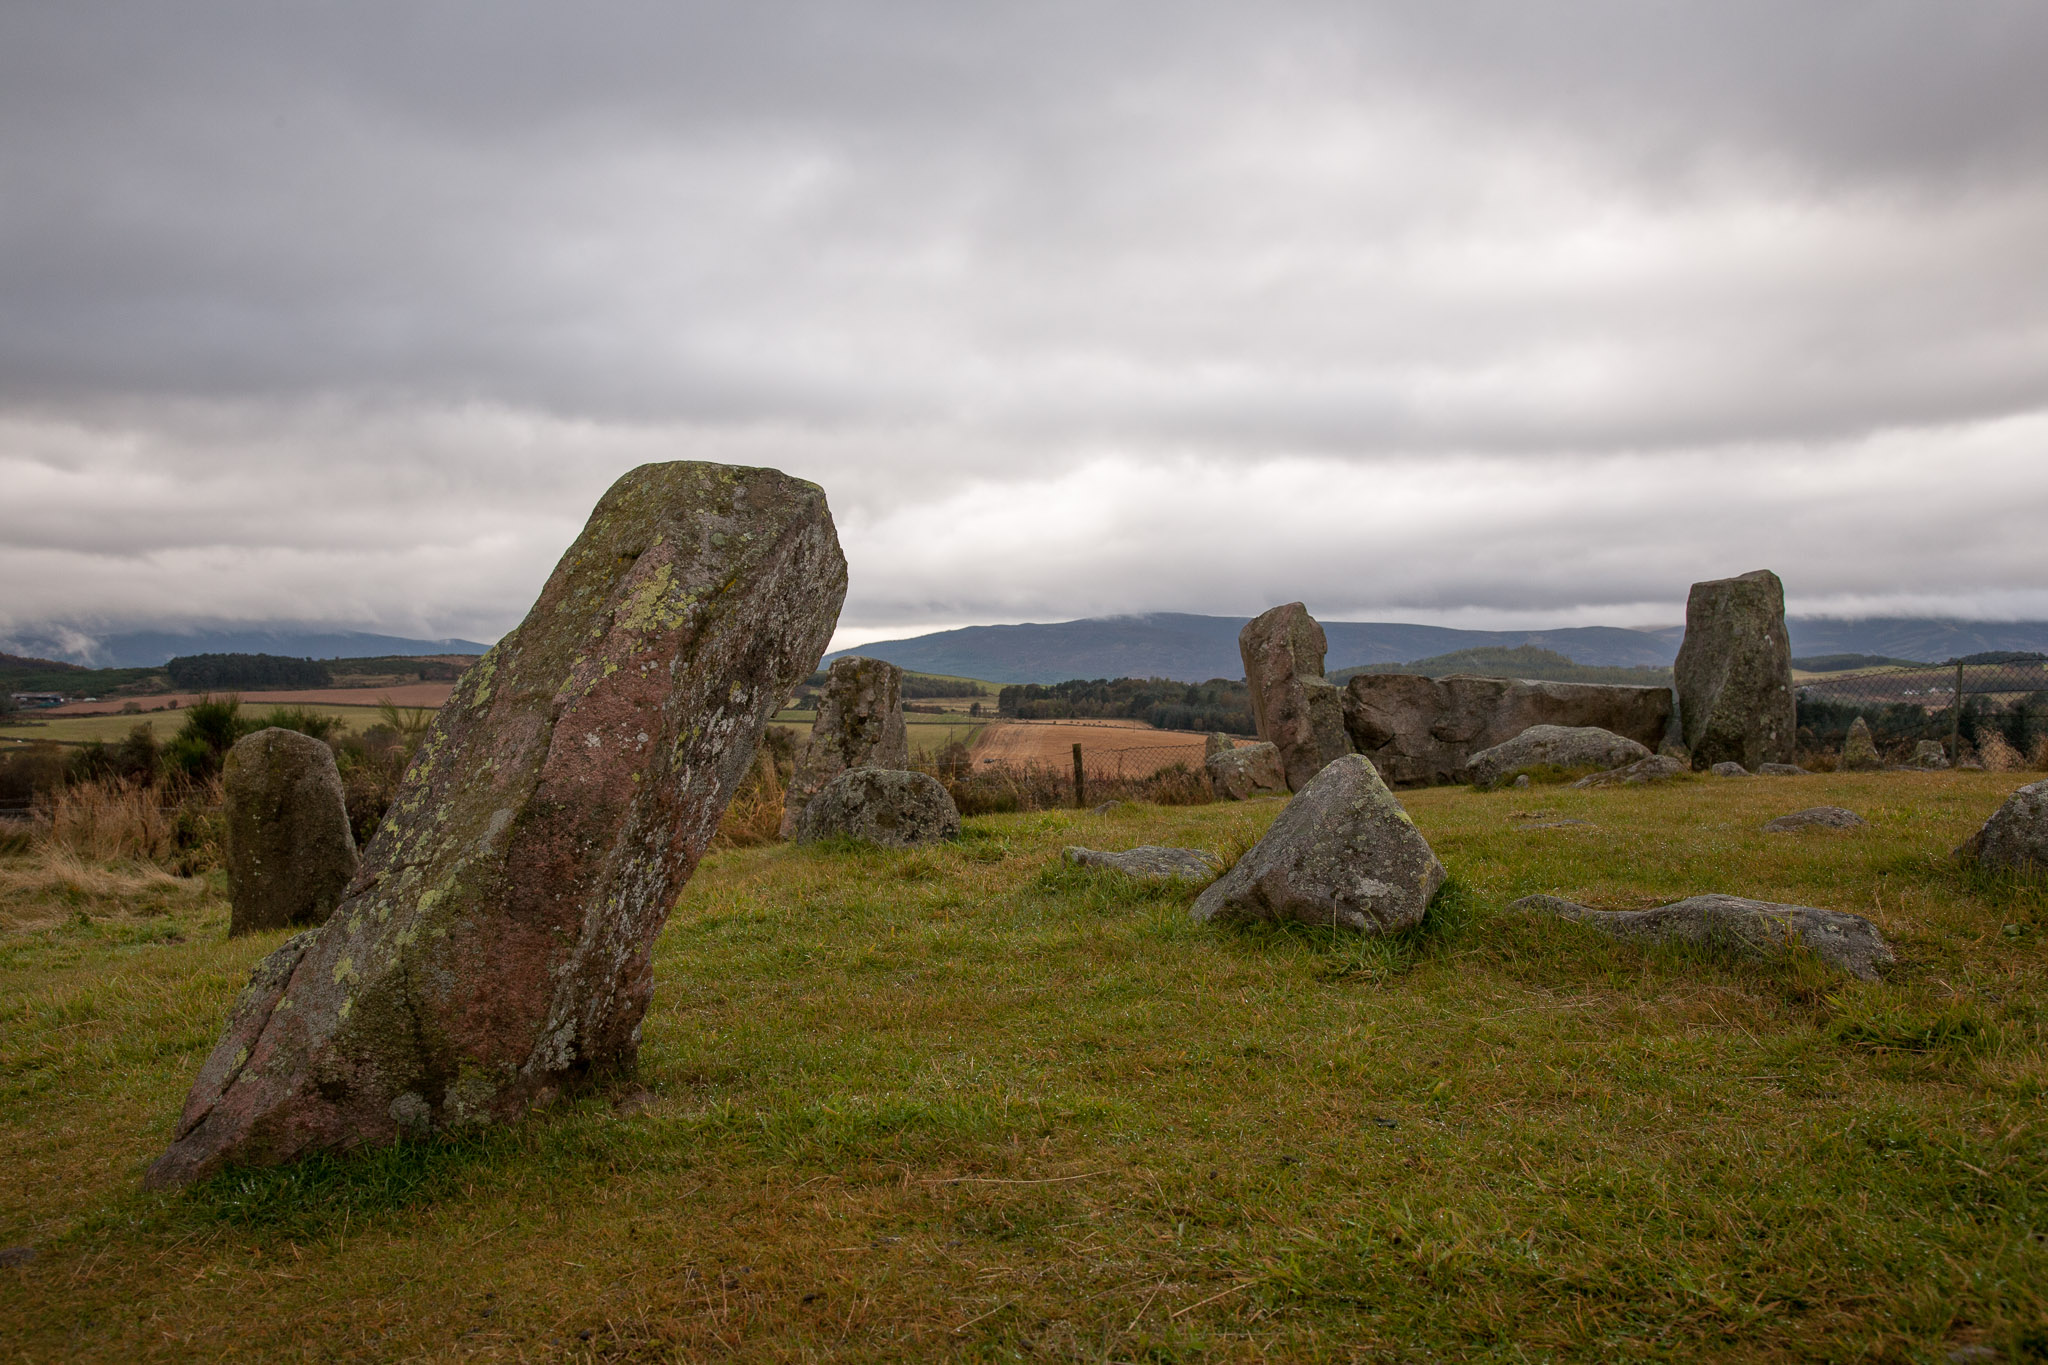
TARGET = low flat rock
(1757,929)
(883,806)
(1553,746)
(1561,824)
(1344,853)
(1655,768)
(1780,770)
(1818,817)
(2015,838)
(1148,862)
(1729,770)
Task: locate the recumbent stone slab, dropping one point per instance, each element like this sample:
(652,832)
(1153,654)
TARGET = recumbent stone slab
(1419,730)
(859,725)
(290,853)
(883,806)
(494,947)
(1746,927)
(1343,853)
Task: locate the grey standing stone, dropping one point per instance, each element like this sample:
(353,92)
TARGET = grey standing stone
(1745,927)
(859,725)
(1818,817)
(882,806)
(1419,730)
(1734,673)
(1930,753)
(1344,853)
(1148,862)
(1245,771)
(1558,746)
(2015,838)
(495,946)
(1859,751)
(290,854)
(1297,709)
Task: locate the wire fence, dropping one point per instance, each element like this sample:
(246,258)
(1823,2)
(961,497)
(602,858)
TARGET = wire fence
(1992,710)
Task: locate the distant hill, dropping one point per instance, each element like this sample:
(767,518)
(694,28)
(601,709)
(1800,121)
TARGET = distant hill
(154,648)
(1192,648)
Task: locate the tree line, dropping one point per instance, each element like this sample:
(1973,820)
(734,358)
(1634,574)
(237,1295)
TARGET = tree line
(1218,704)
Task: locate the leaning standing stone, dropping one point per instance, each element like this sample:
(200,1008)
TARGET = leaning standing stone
(1343,853)
(495,946)
(2015,838)
(1734,673)
(1298,710)
(859,725)
(289,850)
(881,806)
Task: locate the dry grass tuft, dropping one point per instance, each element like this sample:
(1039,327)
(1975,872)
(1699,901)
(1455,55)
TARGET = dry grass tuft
(107,820)
(754,815)
(1996,755)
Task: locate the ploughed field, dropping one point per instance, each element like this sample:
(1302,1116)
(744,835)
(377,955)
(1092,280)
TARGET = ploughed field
(427,694)
(967,1102)
(1109,748)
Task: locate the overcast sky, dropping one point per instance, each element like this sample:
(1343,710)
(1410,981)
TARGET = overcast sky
(1483,314)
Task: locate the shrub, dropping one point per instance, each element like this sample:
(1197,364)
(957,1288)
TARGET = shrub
(302,719)
(212,725)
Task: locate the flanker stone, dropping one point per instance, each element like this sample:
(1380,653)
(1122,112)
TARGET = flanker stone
(883,806)
(1343,853)
(494,947)
(1148,862)
(1553,746)
(1420,730)
(290,854)
(2015,838)
(859,725)
(1734,673)
(1297,709)
(1746,927)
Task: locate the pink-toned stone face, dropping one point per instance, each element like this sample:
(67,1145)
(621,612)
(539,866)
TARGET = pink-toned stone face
(495,945)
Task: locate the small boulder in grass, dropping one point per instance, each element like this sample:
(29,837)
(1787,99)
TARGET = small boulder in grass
(1819,817)
(881,806)
(2015,838)
(1553,746)
(1344,854)
(1743,927)
(1729,769)
(1780,770)
(1655,768)
(1148,862)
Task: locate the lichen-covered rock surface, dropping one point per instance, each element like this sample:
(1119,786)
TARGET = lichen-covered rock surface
(1148,862)
(1419,730)
(495,944)
(859,725)
(882,806)
(1816,817)
(1344,853)
(1859,750)
(1738,925)
(1553,746)
(1297,709)
(2015,838)
(290,854)
(1734,673)
(1929,753)
(1245,771)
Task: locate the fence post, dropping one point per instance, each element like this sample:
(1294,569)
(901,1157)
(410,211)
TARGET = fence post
(1080,781)
(1955,720)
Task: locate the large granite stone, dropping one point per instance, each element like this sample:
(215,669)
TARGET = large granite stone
(1420,730)
(1297,709)
(2015,838)
(1734,673)
(883,806)
(1244,771)
(1553,746)
(859,725)
(494,947)
(290,854)
(1745,927)
(1343,853)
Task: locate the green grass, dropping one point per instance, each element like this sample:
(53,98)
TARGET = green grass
(969,1102)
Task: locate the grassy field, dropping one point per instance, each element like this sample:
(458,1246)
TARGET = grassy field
(112,728)
(969,1103)
(927,733)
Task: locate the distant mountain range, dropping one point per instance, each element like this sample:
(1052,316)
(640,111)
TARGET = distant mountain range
(1192,648)
(151,648)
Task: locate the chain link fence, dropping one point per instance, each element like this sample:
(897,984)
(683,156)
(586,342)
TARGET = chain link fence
(1992,710)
